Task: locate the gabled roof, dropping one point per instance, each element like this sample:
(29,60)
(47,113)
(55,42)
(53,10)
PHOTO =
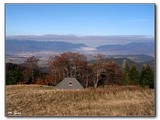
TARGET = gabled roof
(69,83)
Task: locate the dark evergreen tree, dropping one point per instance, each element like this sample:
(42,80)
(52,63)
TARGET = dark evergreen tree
(126,80)
(147,76)
(143,81)
(134,75)
(150,76)
(13,74)
(151,82)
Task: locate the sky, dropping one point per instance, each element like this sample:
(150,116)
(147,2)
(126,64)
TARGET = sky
(80,19)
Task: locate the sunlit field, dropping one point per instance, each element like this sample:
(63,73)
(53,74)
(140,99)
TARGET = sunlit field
(38,100)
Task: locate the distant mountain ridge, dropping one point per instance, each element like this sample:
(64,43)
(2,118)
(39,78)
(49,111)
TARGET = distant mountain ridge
(15,46)
(89,40)
(128,49)
(30,45)
(138,58)
(121,62)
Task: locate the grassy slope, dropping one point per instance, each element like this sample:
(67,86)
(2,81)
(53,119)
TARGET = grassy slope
(34,100)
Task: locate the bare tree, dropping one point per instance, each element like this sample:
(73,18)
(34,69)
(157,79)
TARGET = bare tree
(88,75)
(113,73)
(98,68)
(31,69)
(67,64)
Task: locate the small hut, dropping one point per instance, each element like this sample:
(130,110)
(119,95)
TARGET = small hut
(69,83)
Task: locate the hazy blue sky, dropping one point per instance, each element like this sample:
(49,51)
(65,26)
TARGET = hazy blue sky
(80,19)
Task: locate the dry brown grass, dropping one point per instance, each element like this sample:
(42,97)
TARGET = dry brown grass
(36,100)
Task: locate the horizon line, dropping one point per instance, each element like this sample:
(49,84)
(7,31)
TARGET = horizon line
(78,35)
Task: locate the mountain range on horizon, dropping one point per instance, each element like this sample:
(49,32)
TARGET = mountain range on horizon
(90,40)
(19,46)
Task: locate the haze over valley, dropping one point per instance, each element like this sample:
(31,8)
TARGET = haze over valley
(135,48)
(109,45)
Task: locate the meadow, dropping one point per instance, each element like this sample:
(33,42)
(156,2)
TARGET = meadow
(40,100)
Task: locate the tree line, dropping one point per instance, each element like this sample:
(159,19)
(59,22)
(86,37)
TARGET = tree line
(98,73)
